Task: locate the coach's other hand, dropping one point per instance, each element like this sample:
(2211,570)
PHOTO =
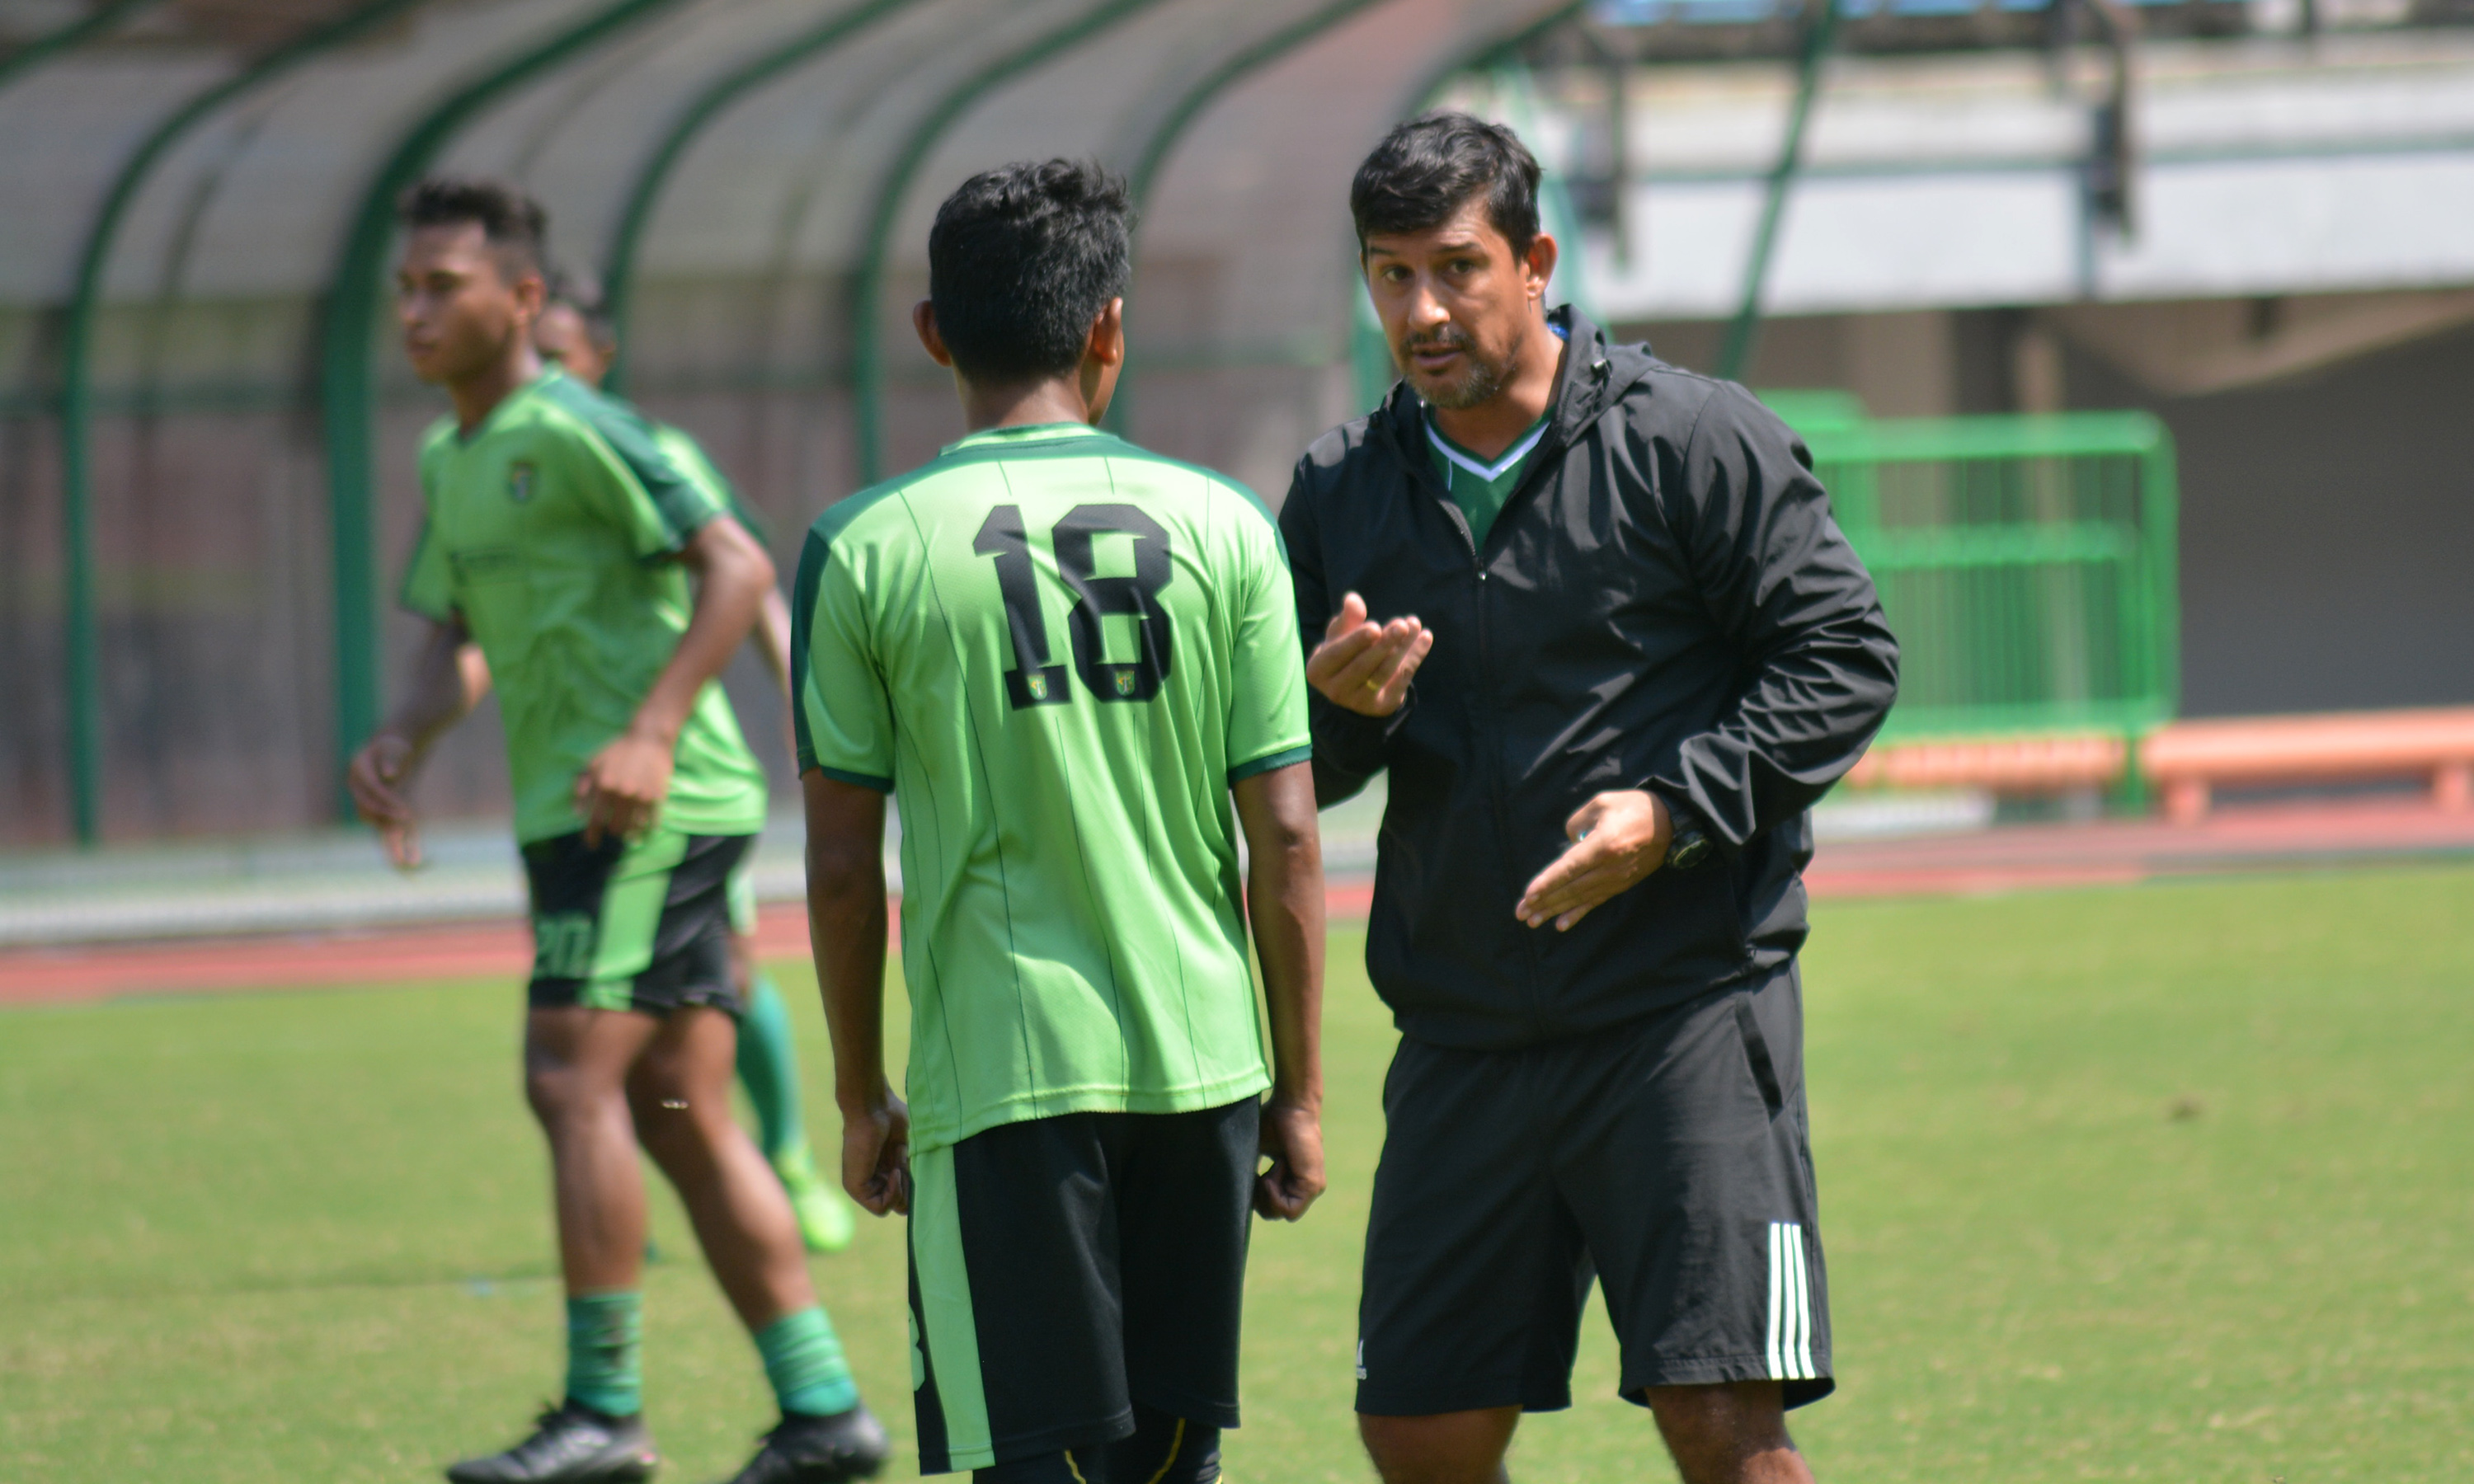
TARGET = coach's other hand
(1617,840)
(1364,666)
(876,1156)
(1293,1140)
(378,772)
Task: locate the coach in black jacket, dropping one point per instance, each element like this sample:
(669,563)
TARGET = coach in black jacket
(1615,655)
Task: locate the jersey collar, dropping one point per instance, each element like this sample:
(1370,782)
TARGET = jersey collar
(549,370)
(1030,433)
(1462,458)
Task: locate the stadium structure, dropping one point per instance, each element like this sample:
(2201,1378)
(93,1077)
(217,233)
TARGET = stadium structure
(2241,229)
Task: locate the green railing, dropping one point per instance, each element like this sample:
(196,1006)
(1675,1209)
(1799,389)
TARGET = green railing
(2028,566)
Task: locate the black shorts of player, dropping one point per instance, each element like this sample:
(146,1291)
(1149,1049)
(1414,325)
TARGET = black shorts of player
(1067,1271)
(640,924)
(1667,1158)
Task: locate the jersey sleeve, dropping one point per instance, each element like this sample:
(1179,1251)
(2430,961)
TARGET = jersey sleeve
(842,715)
(1266,707)
(428,583)
(698,465)
(631,483)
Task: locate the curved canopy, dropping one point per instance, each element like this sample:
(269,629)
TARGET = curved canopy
(757,175)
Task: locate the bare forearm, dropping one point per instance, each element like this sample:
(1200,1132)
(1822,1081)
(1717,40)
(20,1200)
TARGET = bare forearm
(773,636)
(1285,903)
(846,928)
(846,925)
(733,576)
(439,692)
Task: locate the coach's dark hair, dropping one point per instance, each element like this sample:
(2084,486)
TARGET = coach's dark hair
(1020,262)
(1429,167)
(513,222)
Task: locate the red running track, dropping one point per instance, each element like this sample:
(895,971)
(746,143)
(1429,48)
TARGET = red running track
(2029,858)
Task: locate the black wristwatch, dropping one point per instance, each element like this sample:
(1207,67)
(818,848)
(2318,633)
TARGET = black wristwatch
(1687,846)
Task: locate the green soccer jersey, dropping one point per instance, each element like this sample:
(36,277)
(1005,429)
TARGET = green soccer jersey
(692,460)
(1477,486)
(546,533)
(1058,652)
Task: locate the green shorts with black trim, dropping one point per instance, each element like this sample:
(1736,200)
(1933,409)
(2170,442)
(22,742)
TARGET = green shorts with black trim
(640,924)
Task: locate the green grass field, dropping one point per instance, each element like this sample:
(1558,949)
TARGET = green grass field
(2168,1182)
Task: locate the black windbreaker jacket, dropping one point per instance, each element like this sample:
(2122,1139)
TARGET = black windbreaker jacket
(1665,602)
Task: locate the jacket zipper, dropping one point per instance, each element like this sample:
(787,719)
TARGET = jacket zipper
(1549,448)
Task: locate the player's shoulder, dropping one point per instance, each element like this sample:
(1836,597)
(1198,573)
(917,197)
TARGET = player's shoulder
(559,402)
(1212,492)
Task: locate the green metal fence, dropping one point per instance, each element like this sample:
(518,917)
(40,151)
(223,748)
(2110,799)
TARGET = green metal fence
(2026,564)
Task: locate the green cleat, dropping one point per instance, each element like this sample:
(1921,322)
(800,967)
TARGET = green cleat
(825,1220)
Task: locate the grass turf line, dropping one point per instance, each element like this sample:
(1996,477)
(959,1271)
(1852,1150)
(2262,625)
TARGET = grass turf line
(2164,1183)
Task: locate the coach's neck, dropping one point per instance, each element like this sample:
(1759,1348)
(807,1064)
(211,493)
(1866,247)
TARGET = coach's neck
(1080,394)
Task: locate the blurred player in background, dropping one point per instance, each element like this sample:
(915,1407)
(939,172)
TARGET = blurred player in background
(573,334)
(1062,655)
(606,591)
(1641,650)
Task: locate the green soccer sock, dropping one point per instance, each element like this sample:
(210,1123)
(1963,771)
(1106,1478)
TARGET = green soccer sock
(803,1360)
(605,1352)
(768,1064)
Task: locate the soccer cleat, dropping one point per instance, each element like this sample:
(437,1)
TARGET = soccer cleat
(825,1220)
(569,1445)
(819,1450)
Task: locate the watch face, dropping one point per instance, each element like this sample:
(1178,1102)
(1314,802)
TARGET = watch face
(1690,852)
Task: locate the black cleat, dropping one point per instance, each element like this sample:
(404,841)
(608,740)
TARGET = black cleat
(569,1445)
(819,1450)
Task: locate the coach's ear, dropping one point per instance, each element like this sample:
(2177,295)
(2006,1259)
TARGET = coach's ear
(923,319)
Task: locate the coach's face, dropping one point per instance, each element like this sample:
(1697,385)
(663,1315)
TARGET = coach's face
(460,301)
(1458,305)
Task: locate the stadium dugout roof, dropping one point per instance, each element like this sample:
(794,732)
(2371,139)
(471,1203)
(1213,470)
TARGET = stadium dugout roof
(200,229)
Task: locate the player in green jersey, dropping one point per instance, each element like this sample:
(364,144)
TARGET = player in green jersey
(1062,655)
(573,334)
(606,590)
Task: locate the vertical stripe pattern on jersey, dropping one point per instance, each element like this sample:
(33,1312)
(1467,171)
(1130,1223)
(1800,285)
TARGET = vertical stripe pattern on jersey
(1789,1350)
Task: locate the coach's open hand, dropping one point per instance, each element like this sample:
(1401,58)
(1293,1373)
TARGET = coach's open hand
(1365,667)
(1293,1139)
(876,1156)
(1617,840)
(620,791)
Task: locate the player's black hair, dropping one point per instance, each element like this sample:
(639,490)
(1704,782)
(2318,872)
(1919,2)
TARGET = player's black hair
(583,296)
(513,222)
(1022,259)
(1429,167)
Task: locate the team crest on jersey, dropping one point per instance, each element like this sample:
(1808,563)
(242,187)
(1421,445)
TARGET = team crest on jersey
(1037,686)
(1125,682)
(520,482)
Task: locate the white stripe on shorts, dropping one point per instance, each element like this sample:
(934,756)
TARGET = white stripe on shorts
(1789,1349)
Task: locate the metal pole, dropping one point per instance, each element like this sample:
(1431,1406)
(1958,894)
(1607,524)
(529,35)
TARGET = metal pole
(67,39)
(77,405)
(1737,353)
(1188,108)
(347,391)
(619,274)
(867,361)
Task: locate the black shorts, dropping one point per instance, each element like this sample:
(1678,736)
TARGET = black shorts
(640,924)
(1667,1158)
(1063,1269)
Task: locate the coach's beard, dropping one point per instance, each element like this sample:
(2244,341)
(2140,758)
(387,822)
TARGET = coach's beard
(1478,384)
